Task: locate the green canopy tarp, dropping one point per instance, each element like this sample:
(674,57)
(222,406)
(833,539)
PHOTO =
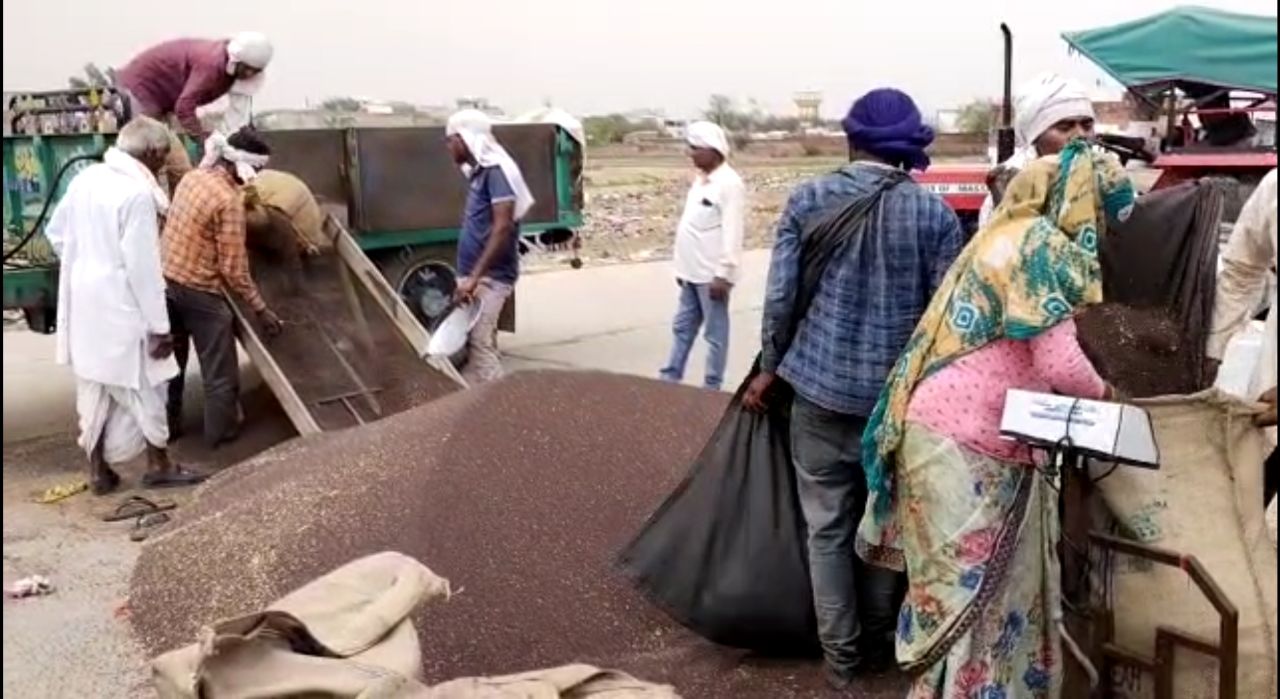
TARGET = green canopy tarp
(1186,44)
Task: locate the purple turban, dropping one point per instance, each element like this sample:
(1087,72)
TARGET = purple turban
(887,124)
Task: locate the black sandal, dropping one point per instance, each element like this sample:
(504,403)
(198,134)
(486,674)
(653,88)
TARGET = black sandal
(176,477)
(146,524)
(135,506)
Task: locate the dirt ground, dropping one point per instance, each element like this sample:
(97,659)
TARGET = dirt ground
(76,641)
(635,202)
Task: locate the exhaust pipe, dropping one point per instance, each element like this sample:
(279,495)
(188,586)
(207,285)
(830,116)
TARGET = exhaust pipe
(1004,136)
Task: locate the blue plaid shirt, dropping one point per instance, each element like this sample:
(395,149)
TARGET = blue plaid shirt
(871,295)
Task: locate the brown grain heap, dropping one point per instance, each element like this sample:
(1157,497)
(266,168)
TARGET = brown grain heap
(520,493)
(1138,350)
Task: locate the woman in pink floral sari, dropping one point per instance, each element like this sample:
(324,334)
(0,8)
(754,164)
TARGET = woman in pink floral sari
(965,513)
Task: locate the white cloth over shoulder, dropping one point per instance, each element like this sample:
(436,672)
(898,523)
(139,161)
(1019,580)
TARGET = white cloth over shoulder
(475,128)
(129,166)
(254,50)
(110,286)
(1247,262)
(704,134)
(709,235)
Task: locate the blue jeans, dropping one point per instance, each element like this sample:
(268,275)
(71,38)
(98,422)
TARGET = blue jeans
(698,310)
(855,603)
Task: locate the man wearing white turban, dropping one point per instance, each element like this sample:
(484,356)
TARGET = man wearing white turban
(708,249)
(1049,110)
(488,247)
(173,79)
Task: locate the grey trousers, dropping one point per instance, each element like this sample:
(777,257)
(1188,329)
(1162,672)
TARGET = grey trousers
(205,319)
(856,604)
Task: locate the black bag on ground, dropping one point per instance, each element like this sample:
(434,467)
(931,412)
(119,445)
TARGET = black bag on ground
(725,555)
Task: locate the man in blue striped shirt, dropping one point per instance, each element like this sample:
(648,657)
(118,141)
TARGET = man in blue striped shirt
(867,303)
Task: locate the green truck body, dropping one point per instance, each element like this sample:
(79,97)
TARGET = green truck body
(398,190)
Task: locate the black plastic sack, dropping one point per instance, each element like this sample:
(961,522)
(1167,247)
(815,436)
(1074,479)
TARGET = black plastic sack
(725,554)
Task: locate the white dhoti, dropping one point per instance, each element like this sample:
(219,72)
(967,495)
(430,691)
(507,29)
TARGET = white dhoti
(124,419)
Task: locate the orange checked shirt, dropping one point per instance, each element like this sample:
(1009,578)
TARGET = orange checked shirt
(204,237)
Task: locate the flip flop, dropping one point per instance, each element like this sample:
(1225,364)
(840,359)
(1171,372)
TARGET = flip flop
(147,524)
(177,477)
(135,506)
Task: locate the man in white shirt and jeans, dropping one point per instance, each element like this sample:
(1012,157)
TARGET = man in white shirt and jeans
(708,251)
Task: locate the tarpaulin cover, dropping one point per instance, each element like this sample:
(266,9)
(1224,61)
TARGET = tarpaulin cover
(1189,44)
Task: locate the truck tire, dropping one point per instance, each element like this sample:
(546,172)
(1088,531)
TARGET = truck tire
(425,279)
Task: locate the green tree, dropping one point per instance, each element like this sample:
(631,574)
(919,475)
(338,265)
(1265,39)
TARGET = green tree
(720,110)
(611,128)
(978,116)
(340,104)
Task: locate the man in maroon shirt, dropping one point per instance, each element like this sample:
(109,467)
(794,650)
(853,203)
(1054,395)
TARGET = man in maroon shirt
(172,79)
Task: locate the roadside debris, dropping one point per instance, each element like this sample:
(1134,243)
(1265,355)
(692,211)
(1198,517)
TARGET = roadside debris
(61,492)
(32,586)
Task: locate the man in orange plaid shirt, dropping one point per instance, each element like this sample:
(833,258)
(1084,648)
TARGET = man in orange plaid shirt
(205,255)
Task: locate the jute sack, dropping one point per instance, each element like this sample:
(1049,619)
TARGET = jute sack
(1204,501)
(336,636)
(348,635)
(566,682)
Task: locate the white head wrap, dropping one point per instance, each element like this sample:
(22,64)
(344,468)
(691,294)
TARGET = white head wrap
(475,128)
(247,164)
(1044,101)
(704,134)
(250,48)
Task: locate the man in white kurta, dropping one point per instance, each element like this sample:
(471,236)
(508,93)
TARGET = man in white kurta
(1248,261)
(113,325)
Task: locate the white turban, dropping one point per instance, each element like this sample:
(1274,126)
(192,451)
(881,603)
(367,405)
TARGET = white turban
(251,49)
(475,128)
(704,134)
(1044,101)
(247,164)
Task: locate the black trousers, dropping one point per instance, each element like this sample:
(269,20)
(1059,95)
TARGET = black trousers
(205,319)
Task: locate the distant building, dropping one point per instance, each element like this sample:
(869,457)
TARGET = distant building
(808,106)
(947,121)
(482,104)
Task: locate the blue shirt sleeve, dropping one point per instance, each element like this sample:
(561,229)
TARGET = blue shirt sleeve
(497,186)
(950,242)
(780,290)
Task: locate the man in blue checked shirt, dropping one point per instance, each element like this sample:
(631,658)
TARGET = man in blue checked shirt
(868,301)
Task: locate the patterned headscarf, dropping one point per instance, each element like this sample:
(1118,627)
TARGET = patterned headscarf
(1033,266)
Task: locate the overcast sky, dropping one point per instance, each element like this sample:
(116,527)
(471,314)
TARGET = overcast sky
(587,56)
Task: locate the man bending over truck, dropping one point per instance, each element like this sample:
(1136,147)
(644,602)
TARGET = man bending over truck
(172,79)
(204,253)
(112,326)
(488,249)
